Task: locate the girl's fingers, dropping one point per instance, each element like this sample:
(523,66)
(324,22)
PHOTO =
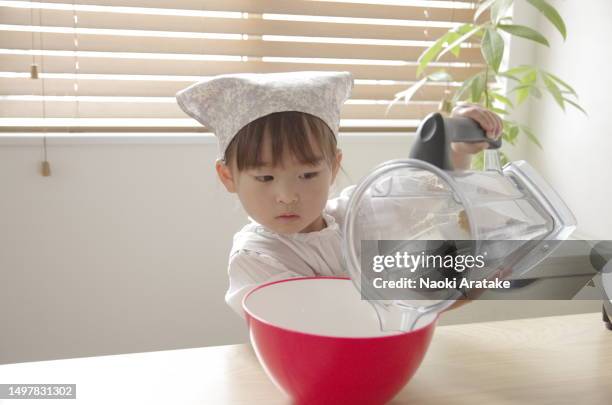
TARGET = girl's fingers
(488,120)
(497,124)
(482,119)
(477,114)
(500,126)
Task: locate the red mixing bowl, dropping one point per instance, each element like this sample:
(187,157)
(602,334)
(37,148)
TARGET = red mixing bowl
(320,343)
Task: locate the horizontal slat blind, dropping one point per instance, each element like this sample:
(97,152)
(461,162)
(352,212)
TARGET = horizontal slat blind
(118,65)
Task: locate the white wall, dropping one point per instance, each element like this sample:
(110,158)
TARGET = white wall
(124,248)
(577,154)
(520,52)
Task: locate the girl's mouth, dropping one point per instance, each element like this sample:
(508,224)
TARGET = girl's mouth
(288,216)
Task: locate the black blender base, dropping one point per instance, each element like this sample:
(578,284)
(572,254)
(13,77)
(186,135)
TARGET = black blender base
(605,318)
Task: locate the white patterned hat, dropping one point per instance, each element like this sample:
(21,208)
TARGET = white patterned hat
(226,103)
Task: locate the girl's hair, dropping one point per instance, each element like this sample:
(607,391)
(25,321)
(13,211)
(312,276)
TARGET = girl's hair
(291,131)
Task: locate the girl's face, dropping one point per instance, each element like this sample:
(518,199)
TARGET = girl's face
(288,198)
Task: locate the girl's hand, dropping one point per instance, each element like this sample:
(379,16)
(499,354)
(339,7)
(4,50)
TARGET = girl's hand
(490,122)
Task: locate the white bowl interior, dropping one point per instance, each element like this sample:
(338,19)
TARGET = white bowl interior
(321,306)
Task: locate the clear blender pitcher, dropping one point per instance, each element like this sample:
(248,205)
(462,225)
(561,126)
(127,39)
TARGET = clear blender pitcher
(420,205)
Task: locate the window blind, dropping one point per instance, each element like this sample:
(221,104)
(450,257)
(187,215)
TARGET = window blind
(106,65)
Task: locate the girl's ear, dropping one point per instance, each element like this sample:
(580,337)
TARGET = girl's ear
(336,165)
(225,175)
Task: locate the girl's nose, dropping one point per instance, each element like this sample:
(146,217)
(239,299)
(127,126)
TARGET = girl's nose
(287,199)
(287,196)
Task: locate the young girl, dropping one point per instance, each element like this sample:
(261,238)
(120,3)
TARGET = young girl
(278,151)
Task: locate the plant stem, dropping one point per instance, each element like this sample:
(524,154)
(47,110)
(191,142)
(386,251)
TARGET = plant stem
(486,87)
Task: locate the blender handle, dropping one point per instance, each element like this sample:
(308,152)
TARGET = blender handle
(601,255)
(436,132)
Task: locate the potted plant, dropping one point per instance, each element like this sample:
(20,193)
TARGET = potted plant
(486,87)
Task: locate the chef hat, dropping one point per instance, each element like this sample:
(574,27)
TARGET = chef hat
(226,103)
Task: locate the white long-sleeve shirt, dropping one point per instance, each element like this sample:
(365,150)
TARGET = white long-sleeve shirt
(260,255)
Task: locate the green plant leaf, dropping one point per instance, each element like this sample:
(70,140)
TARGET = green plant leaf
(508,76)
(524,32)
(494,88)
(477,88)
(535,91)
(503,158)
(430,53)
(482,8)
(434,50)
(575,105)
(552,88)
(498,9)
(560,82)
(499,110)
(522,92)
(407,94)
(502,99)
(527,131)
(492,48)
(521,87)
(456,49)
(517,70)
(530,78)
(513,133)
(478,161)
(479,34)
(461,91)
(507,139)
(459,40)
(551,14)
(467,84)
(453,35)
(510,132)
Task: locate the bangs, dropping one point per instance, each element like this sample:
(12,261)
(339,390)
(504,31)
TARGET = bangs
(294,132)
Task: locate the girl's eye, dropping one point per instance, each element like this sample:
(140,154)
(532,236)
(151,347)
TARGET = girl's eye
(264,179)
(310,175)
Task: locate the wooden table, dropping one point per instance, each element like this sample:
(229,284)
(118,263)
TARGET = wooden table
(552,360)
